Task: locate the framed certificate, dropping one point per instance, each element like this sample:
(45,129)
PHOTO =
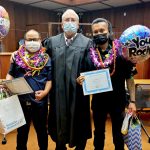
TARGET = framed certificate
(96,82)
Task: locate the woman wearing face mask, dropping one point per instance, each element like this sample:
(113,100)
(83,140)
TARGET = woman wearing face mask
(104,54)
(32,63)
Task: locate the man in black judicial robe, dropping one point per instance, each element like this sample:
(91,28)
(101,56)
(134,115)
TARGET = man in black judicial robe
(69,113)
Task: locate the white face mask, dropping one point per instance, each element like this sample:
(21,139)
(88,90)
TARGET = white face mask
(32,46)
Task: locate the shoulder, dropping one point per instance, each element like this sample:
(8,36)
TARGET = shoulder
(57,36)
(48,41)
(83,37)
(83,40)
(47,60)
(47,57)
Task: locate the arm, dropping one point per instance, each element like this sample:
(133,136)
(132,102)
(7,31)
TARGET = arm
(131,89)
(12,69)
(9,77)
(48,87)
(47,44)
(42,93)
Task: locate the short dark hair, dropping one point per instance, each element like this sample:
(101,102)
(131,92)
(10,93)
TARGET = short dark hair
(97,20)
(32,30)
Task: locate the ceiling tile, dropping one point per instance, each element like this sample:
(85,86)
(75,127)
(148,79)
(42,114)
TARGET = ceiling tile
(48,5)
(74,8)
(90,6)
(75,2)
(25,1)
(116,3)
(94,6)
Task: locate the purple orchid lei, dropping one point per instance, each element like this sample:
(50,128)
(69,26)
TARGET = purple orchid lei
(30,62)
(108,60)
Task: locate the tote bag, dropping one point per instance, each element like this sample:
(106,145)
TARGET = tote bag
(11,114)
(133,137)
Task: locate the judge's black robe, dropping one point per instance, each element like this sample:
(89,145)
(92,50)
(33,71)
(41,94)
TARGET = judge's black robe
(69,113)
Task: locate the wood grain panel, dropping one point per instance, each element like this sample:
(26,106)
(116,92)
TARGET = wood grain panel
(22,16)
(122,18)
(4,64)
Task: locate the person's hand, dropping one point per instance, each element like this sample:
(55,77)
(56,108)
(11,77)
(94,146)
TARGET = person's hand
(3,86)
(132,108)
(80,79)
(40,94)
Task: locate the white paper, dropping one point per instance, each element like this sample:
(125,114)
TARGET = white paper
(18,86)
(96,82)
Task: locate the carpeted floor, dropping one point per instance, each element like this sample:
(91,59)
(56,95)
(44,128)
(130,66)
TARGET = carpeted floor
(32,143)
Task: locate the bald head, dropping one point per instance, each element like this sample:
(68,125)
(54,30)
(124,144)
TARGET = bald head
(32,41)
(32,33)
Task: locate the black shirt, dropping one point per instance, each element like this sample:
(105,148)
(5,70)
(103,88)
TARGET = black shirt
(123,71)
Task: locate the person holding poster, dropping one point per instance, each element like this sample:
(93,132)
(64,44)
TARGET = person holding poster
(105,54)
(31,62)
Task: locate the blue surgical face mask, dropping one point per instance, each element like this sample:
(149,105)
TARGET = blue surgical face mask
(70,27)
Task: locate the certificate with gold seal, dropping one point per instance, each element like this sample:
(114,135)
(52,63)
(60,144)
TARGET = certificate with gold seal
(96,82)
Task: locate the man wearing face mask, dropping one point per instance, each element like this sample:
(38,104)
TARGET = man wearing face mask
(69,116)
(105,54)
(31,62)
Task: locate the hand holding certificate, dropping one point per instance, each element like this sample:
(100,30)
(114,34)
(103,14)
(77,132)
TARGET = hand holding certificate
(96,82)
(18,86)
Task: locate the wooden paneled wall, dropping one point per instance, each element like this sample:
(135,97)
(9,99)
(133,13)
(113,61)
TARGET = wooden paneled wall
(22,18)
(122,18)
(4,64)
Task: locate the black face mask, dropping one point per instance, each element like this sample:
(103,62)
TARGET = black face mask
(100,39)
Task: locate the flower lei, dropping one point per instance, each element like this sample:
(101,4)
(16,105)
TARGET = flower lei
(109,58)
(31,63)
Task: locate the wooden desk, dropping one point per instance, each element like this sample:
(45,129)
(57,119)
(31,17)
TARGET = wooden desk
(142,81)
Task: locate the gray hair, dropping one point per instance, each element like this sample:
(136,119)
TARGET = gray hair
(68,11)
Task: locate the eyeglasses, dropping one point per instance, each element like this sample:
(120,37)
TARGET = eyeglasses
(32,39)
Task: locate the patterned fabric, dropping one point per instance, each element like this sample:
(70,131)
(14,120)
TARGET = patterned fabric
(133,138)
(32,63)
(68,41)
